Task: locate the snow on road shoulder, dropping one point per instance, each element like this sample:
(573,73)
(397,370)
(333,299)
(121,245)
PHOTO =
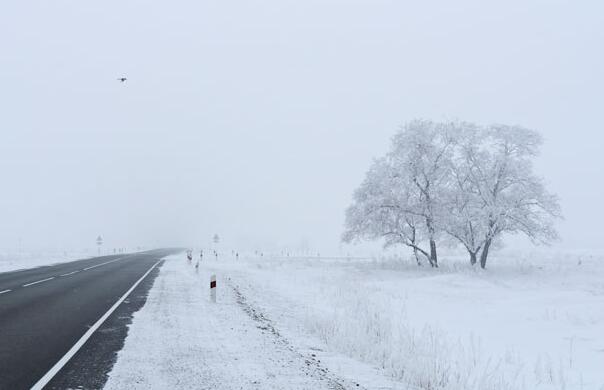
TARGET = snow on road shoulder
(180,340)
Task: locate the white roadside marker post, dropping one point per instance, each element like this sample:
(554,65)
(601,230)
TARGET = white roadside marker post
(213,288)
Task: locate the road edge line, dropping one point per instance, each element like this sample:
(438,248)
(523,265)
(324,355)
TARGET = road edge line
(76,347)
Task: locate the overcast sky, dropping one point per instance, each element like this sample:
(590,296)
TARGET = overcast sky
(257,119)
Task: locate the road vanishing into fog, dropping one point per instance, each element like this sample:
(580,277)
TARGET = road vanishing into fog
(51,313)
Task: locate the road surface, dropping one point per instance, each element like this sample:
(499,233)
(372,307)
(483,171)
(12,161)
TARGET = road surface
(46,311)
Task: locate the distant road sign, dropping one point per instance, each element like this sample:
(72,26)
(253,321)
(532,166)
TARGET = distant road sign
(99,242)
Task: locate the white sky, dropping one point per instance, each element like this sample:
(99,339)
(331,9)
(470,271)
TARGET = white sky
(257,119)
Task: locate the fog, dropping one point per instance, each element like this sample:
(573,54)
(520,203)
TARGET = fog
(256,120)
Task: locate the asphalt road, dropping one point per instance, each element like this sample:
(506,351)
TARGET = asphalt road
(45,311)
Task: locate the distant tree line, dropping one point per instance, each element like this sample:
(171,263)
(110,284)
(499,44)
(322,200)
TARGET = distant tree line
(453,182)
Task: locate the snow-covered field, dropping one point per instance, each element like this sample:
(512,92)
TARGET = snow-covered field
(528,322)
(11,260)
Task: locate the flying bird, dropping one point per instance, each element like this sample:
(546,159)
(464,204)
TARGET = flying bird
(122,79)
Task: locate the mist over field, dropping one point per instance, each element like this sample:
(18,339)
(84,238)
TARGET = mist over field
(257,120)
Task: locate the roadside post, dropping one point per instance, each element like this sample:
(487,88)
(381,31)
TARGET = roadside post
(213,288)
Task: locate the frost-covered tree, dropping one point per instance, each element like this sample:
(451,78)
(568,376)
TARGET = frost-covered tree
(381,210)
(464,219)
(469,182)
(406,187)
(511,198)
(421,152)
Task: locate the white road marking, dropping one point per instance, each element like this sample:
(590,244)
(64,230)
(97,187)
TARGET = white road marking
(76,347)
(38,281)
(98,265)
(67,274)
(5,291)
(70,273)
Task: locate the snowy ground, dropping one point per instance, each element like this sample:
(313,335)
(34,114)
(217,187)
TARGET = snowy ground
(11,260)
(302,323)
(180,340)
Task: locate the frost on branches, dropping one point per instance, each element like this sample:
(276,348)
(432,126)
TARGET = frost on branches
(453,182)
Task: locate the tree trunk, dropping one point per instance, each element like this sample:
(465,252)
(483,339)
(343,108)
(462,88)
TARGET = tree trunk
(472,257)
(413,231)
(431,230)
(485,253)
(419,263)
(433,256)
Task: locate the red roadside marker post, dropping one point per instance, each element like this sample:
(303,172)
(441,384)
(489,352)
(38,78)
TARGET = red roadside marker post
(213,288)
